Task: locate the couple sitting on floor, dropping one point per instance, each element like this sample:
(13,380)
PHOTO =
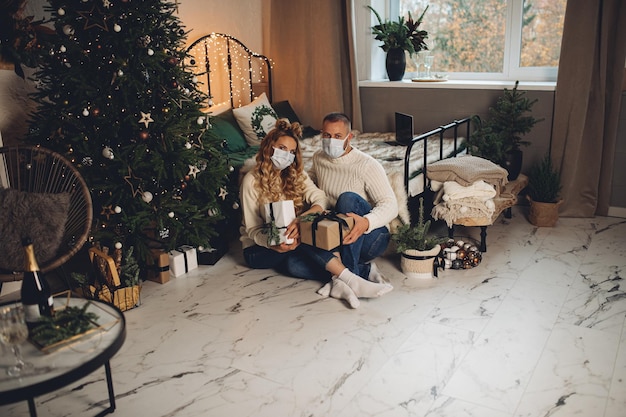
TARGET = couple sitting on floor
(350,181)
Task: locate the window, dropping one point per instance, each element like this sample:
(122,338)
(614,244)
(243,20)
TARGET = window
(490,39)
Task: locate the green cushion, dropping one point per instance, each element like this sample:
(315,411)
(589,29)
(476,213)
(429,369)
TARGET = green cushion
(237,159)
(225,127)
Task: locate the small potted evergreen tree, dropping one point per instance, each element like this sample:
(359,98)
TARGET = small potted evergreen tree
(544,185)
(499,137)
(417,248)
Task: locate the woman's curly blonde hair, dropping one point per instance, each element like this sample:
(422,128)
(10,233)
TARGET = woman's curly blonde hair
(273,184)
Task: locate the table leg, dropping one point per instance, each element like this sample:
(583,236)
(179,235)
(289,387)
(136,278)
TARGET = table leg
(483,238)
(31,407)
(107,369)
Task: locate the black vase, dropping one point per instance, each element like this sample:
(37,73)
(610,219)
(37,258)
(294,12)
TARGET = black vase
(513,163)
(395,64)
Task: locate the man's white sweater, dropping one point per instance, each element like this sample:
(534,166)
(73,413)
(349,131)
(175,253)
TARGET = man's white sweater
(361,174)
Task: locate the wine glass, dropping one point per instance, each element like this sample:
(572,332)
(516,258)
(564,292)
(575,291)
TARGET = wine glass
(428,62)
(13,332)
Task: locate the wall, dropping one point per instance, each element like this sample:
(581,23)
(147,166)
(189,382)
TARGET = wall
(432,107)
(241,19)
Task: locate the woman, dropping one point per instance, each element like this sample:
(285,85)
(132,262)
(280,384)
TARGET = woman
(279,175)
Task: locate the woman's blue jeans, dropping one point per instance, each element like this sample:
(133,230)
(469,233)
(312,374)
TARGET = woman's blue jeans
(305,261)
(357,255)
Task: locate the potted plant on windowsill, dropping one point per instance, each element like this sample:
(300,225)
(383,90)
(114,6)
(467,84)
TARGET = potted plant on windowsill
(499,137)
(544,185)
(417,248)
(398,37)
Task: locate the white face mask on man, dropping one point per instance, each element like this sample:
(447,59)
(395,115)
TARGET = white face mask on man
(334,147)
(282,159)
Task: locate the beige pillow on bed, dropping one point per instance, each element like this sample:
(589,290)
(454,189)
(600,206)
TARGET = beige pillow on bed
(256,119)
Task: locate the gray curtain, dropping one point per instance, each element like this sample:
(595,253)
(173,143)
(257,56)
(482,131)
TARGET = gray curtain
(312,46)
(587,103)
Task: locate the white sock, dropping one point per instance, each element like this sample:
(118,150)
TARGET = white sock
(362,287)
(375,274)
(325,290)
(341,291)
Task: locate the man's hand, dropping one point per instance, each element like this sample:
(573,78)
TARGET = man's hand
(361,224)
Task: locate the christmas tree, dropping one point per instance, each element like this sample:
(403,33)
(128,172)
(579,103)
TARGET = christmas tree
(115,98)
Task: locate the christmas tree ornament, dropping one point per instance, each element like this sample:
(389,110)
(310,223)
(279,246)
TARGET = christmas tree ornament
(107,152)
(150,52)
(61,12)
(143,135)
(85,112)
(68,30)
(200,120)
(187,145)
(117,28)
(117,209)
(193,171)
(235,205)
(170,214)
(95,111)
(212,212)
(147,196)
(146,119)
(63,48)
(223,193)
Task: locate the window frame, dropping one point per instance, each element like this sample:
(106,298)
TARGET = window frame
(511,69)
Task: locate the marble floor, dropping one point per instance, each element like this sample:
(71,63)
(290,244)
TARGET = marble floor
(536,330)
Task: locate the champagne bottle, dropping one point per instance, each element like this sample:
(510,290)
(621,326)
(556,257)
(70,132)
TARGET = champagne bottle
(36,297)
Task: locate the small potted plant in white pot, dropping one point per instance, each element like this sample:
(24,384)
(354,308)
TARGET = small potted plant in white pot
(418,249)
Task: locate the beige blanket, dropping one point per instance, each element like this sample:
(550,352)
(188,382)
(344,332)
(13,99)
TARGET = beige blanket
(468,169)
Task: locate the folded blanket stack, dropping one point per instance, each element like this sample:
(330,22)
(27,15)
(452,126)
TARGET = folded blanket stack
(466,188)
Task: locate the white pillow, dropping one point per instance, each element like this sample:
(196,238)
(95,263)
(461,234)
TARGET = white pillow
(256,119)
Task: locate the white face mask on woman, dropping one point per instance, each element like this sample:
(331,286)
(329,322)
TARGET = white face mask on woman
(333,147)
(282,159)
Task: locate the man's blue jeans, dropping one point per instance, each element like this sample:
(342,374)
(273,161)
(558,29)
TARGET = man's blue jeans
(370,245)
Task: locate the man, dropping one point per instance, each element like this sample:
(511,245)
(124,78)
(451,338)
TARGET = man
(356,185)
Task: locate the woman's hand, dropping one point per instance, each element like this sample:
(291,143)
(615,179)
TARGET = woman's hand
(286,247)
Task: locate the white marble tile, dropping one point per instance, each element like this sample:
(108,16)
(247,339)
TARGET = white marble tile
(616,403)
(573,375)
(500,363)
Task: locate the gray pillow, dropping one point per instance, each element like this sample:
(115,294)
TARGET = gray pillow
(40,216)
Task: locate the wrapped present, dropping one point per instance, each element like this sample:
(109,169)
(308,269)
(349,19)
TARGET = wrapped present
(325,231)
(107,286)
(278,216)
(183,260)
(210,256)
(159,271)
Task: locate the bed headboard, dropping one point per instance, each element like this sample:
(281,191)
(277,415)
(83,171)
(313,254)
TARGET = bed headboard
(228,72)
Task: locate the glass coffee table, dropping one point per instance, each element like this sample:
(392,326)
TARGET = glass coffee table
(68,362)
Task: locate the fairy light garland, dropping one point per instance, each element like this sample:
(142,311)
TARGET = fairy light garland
(242,61)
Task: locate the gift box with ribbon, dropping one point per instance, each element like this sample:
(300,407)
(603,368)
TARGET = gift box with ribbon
(182,260)
(278,216)
(159,271)
(326,230)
